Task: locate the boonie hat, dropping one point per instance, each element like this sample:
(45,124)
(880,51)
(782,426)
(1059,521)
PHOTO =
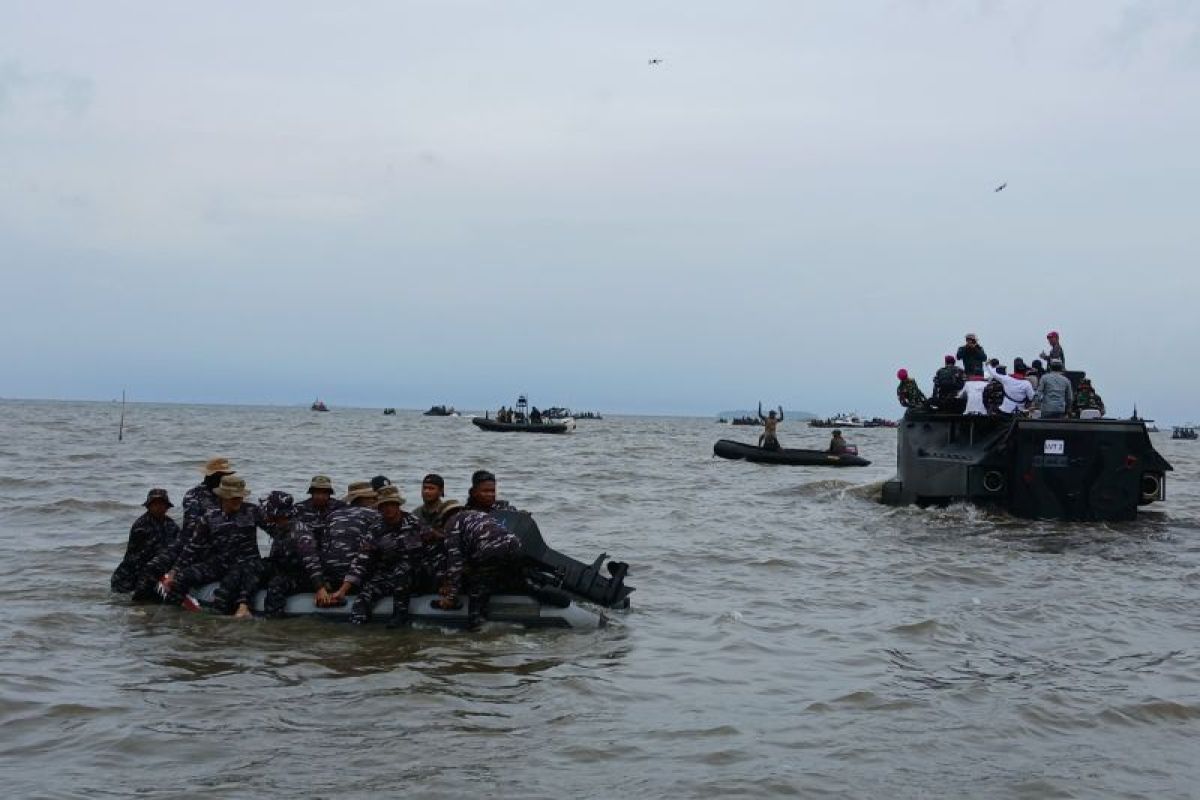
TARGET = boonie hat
(320,483)
(359,489)
(389,494)
(447,508)
(232,486)
(158,494)
(221,465)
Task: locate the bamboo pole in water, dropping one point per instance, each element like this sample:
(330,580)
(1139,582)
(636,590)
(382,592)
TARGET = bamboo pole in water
(121,429)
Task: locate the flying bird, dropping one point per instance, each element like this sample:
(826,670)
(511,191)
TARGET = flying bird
(654,61)
(1000,188)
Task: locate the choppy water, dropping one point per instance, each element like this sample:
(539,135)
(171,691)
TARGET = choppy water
(788,635)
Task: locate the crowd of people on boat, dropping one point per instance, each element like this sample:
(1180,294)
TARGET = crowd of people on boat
(518,416)
(983,386)
(356,549)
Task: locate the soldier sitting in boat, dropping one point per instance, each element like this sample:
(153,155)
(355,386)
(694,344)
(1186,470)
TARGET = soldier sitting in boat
(481,555)
(153,534)
(202,498)
(314,513)
(400,553)
(768,440)
(482,494)
(223,547)
(837,444)
(433,499)
(283,571)
(332,560)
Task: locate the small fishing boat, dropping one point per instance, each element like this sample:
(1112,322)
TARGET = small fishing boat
(1184,432)
(389,412)
(319,405)
(740,451)
(562,426)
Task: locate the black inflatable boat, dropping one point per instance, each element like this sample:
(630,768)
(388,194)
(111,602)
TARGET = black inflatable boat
(523,427)
(740,451)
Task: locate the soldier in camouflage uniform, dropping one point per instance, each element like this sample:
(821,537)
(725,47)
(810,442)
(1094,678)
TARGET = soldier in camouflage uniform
(482,494)
(947,383)
(153,534)
(223,547)
(1086,399)
(198,501)
(433,492)
(908,393)
(333,560)
(480,553)
(315,512)
(402,555)
(283,571)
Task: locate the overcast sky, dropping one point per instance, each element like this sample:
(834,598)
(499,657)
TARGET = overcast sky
(408,203)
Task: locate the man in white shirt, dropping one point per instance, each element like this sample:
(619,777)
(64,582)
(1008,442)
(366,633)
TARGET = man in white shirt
(973,391)
(1018,393)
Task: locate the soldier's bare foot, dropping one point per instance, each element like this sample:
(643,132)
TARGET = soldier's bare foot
(243,612)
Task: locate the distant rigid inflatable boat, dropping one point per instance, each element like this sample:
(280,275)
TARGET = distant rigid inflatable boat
(727,448)
(486,424)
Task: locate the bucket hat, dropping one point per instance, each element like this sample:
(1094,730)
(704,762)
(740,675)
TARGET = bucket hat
(359,489)
(389,494)
(232,486)
(221,465)
(320,483)
(158,494)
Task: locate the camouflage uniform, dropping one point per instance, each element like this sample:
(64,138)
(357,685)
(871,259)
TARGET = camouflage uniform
(223,547)
(478,548)
(334,557)
(149,539)
(948,382)
(317,519)
(1086,398)
(909,394)
(401,558)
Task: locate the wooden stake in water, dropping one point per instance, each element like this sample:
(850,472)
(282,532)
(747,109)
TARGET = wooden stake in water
(121,430)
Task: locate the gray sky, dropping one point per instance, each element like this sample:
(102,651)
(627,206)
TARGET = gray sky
(403,203)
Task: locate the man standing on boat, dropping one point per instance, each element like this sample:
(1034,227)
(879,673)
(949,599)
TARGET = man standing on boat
(1055,351)
(1054,394)
(768,440)
(972,356)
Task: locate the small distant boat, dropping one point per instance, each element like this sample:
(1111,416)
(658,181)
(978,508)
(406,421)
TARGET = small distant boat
(319,405)
(839,421)
(740,451)
(1184,432)
(562,426)
(746,421)
(389,412)
(442,411)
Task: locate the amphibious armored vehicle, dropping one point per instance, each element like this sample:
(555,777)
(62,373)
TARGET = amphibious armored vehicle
(1093,469)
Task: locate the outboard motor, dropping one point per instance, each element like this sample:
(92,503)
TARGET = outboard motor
(557,571)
